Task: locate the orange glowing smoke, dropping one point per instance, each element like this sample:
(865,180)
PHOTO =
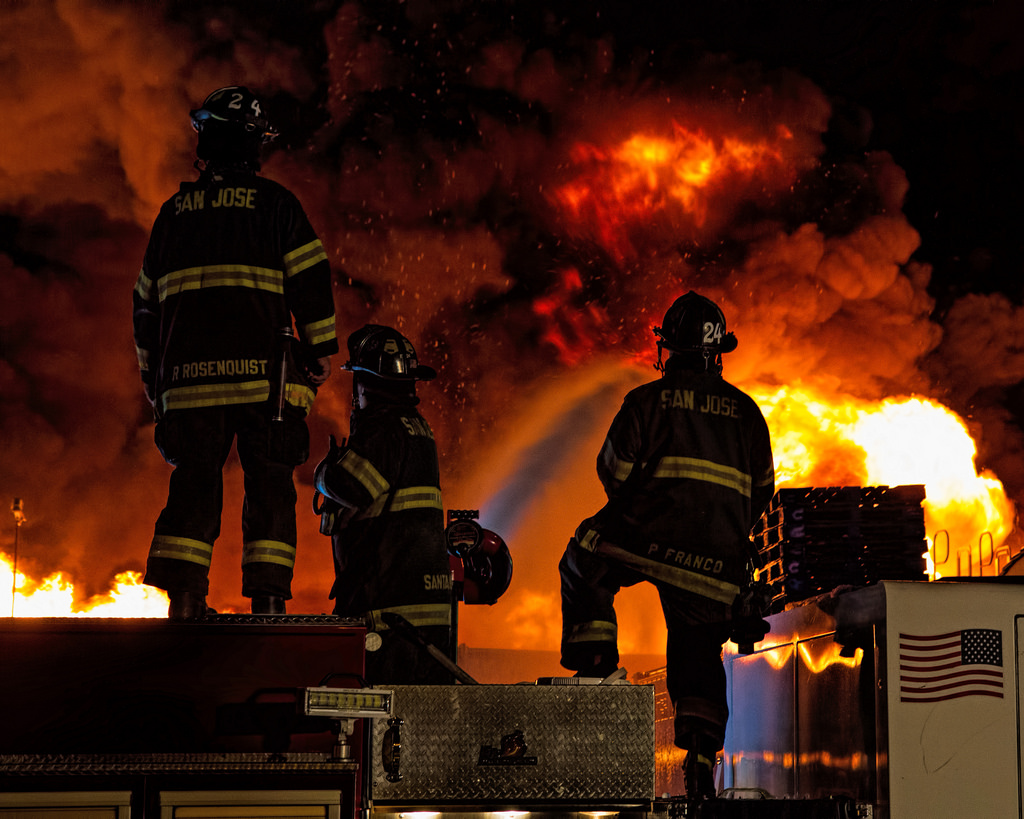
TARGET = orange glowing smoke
(619,196)
(619,188)
(688,177)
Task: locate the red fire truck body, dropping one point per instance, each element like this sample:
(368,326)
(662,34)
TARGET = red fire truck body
(871,698)
(242,715)
(147,718)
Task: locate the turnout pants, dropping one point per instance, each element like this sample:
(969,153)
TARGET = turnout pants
(196,442)
(697,629)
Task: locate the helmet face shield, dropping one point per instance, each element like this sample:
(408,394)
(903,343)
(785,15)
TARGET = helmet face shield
(234,105)
(385,353)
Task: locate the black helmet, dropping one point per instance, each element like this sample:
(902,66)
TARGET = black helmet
(235,105)
(692,324)
(694,327)
(385,353)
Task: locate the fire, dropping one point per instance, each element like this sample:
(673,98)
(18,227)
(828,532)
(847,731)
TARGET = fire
(689,176)
(817,440)
(646,198)
(570,326)
(54,596)
(622,186)
(895,442)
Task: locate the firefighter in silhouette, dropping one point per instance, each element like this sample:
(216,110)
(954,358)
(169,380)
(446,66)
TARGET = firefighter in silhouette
(232,266)
(687,469)
(379,498)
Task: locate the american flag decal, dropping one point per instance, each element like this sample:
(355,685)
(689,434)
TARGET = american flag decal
(936,667)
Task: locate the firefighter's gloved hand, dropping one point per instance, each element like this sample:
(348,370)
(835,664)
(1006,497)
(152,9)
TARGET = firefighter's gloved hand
(748,625)
(748,632)
(332,510)
(328,511)
(319,370)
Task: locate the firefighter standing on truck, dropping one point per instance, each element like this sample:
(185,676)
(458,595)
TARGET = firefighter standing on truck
(232,263)
(379,498)
(687,468)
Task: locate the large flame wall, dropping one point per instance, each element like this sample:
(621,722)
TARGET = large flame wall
(524,208)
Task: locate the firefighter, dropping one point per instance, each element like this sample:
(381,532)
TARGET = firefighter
(687,469)
(233,268)
(379,498)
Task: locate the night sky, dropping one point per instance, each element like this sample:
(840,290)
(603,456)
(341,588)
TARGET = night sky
(425,140)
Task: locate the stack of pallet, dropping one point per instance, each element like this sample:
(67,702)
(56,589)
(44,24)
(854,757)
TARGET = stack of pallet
(813,540)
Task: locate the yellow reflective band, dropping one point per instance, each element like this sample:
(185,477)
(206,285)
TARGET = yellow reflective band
(144,286)
(215,395)
(619,469)
(700,470)
(268,551)
(221,275)
(596,631)
(181,548)
(768,479)
(364,472)
(219,395)
(318,332)
(589,540)
(143,356)
(701,584)
(417,497)
(411,497)
(426,614)
(299,395)
(375,508)
(304,257)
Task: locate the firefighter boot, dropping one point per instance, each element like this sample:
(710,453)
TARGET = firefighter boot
(699,777)
(268,604)
(186,605)
(599,667)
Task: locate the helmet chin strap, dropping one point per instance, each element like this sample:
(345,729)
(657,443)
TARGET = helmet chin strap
(712,361)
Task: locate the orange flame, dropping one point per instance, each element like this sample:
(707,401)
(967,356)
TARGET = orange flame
(571,327)
(54,597)
(817,441)
(643,175)
(687,178)
(898,441)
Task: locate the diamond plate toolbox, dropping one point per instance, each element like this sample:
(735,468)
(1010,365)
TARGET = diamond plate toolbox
(516,744)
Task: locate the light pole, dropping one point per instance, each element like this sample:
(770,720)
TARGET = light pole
(19,518)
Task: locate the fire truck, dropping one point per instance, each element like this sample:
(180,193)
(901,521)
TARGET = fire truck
(878,699)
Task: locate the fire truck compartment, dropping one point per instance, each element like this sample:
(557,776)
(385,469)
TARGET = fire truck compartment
(903,695)
(146,717)
(515,746)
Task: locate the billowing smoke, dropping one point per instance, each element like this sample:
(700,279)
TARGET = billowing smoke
(435,150)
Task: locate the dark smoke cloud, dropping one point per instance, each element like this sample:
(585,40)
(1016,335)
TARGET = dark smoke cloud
(427,141)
